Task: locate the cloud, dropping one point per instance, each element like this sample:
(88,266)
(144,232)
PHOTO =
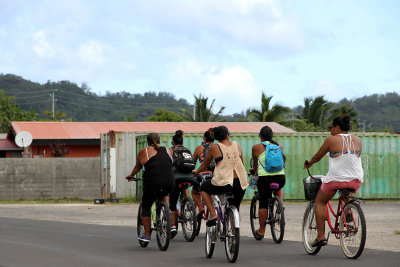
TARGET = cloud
(92,53)
(234,88)
(41,46)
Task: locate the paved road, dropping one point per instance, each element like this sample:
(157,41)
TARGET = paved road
(27,242)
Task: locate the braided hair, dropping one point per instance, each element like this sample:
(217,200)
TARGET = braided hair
(153,139)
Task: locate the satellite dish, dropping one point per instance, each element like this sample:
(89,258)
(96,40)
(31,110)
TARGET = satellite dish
(23,139)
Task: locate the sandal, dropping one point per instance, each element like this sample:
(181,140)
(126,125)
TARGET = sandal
(200,215)
(211,222)
(319,242)
(257,236)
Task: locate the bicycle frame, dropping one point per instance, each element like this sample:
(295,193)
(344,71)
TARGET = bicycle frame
(329,209)
(220,213)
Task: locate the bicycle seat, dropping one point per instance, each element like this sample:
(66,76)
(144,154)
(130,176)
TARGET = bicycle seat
(350,190)
(182,182)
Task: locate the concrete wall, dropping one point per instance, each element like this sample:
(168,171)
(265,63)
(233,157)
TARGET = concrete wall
(49,178)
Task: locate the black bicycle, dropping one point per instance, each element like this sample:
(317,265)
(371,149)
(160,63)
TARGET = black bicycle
(203,176)
(186,212)
(275,218)
(161,222)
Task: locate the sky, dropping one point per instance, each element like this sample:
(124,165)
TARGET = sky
(227,50)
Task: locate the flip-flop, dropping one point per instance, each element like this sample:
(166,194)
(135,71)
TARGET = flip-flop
(319,242)
(200,215)
(257,236)
(211,222)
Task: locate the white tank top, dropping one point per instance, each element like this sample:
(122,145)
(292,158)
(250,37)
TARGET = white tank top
(347,166)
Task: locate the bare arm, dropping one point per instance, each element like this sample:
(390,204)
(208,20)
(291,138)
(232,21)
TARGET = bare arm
(197,153)
(254,156)
(138,165)
(207,160)
(321,153)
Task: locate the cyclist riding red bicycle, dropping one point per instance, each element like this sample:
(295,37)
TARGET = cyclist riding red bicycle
(345,169)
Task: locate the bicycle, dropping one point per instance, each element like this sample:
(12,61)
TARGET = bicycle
(203,176)
(186,212)
(275,217)
(161,222)
(350,226)
(227,228)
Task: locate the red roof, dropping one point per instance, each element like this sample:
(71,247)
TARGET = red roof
(7,144)
(92,130)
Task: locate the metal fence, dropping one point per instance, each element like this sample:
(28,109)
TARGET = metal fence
(380,159)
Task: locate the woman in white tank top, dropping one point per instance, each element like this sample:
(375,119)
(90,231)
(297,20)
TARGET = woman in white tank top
(345,169)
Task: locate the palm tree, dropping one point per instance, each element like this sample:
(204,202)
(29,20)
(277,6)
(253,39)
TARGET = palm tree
(316,110)
(266,113)
(202,112)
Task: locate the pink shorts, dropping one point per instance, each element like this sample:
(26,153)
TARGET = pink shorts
(331,187)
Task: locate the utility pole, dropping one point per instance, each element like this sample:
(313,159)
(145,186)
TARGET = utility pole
(194,111)
(53,102)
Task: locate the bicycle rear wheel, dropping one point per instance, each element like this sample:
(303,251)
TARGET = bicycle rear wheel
(139,227)
(352,222)
(189,221)
(309,232)
(232,236)
(254,218)
(163,218)
(277,221)
(211,237)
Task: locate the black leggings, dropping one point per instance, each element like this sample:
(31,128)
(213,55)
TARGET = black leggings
(236,190)
(264,190)
(149,194)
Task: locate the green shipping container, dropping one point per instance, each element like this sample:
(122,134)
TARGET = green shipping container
(380,159)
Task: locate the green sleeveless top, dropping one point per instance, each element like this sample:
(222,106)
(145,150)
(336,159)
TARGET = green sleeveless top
(261,171)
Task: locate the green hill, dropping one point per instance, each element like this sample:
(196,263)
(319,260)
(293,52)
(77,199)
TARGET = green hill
(80,104)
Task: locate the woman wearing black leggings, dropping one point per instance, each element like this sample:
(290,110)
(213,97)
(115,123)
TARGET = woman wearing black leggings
(158,180)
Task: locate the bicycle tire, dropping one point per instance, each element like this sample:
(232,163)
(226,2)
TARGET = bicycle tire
(139,227)
(176,223)
(210,238)
(198,226)
(309,229)
(254,218)
(163,219)
(277,221)
(189,220)
(232,236)
(352,221)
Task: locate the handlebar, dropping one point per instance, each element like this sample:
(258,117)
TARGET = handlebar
(133,178)
(308,170)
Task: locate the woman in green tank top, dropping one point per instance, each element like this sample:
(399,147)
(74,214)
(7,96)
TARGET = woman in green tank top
(265,178)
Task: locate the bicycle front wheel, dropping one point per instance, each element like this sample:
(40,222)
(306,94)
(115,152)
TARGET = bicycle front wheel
(189,221)
(310,233)
(140,227)
(254,218)
(232,236)
(277,221)
(352,222)
(163,217)
(211,233)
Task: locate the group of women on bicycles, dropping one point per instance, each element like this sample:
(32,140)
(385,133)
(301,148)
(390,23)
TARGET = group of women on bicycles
(222,162)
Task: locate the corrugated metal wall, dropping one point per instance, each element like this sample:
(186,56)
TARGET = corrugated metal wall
(380,158)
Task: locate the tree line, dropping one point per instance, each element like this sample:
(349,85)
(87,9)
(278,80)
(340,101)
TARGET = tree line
(23,100)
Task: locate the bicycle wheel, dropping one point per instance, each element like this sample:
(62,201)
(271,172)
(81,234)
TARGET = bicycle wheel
(352,222)
(277,221)
(232,236)
(176,223)
(309,232)
(211,233)
(254,218)
(189,220)
(139,227)
(163,218)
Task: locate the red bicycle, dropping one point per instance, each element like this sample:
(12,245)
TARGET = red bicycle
(349,221)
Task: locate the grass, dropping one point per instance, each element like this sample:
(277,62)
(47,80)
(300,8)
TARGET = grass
(396,232)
